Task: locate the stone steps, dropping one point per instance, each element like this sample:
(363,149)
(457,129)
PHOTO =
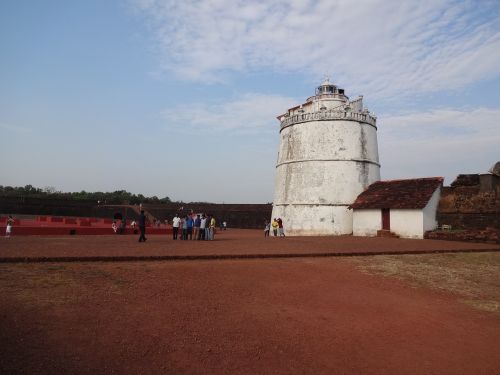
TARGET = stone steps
(386,233)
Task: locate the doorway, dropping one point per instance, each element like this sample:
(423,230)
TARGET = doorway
(386,218)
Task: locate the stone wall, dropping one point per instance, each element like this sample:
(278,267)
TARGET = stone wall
(471,202)
(46,206)
(236,215)
(489,235)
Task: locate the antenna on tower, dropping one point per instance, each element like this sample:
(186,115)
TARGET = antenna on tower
(326,76)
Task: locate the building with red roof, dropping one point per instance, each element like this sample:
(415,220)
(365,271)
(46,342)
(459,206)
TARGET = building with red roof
(407,208)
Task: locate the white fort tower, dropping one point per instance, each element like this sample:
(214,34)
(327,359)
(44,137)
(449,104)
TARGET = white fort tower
(328,155)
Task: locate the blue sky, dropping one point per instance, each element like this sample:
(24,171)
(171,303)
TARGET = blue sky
(180,98)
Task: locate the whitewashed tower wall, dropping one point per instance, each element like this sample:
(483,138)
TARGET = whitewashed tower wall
(328,155)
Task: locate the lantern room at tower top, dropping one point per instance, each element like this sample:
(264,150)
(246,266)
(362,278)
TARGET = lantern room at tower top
(326,88)
(329,101)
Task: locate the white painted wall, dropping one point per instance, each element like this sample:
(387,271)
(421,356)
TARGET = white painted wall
(367,222)
(407,223)
(404,223)
(314,220)
(322,167)
(328,155)
(430,211)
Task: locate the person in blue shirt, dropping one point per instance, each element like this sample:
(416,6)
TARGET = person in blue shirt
(190,223)
(196,228)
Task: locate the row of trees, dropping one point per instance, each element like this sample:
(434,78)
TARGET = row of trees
(115,197)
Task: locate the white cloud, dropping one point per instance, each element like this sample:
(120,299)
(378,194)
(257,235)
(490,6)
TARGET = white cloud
(442,142)
(249,113)
(381,48)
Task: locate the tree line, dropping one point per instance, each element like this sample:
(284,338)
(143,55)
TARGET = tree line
(115,197)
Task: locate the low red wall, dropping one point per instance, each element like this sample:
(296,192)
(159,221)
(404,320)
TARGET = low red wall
(58,231)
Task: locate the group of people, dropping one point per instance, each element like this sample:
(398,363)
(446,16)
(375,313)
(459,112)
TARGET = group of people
(123,225)
(194,227)
(190,227)
(120,229)
(277,225)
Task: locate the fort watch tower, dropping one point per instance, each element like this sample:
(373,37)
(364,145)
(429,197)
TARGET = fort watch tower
(328,155)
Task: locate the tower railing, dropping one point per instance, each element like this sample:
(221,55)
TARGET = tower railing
(328,115)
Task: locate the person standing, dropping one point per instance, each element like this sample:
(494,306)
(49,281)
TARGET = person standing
(197,223)
(207,227)
(212,228)
(275,226)
(10,224)
(175,225)
(184,223)
(281,230)
(190,223)
(123,226)
(267,229)
(203,225)
(142,227)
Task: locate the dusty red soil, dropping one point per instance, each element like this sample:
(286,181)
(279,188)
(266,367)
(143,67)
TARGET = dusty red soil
(288,316)
(231,242)
(304,315)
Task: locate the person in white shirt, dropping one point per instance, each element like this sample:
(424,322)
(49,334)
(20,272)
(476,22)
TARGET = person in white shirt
(175,225)
(203,225)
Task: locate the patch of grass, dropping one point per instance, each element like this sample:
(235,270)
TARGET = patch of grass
(474,277)
(56,284)
(492,306)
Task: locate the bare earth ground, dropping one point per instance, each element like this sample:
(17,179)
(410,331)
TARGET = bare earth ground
(231,242)
(280,316)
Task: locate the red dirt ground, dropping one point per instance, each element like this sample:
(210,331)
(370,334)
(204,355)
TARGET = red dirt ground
(230,242)
(304,315)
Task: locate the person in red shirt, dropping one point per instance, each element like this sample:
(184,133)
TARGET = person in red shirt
(281,230)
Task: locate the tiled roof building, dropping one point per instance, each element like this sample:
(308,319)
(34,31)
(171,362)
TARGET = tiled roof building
(405,208)
(412,193)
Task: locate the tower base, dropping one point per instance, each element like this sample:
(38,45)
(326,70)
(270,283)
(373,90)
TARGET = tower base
(314,219)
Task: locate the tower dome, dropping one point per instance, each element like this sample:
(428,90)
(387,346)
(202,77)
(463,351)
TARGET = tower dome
(328,155)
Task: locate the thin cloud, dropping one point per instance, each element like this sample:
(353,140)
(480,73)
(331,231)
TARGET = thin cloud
(381,48)
(249,113)
(14,128)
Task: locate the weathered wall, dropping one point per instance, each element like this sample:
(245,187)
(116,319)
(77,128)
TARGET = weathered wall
(322,167)
(407,223)
(489,235)
(314,220)
(236,215)
(366,222)
(46,206)
(471,202)
(430,210)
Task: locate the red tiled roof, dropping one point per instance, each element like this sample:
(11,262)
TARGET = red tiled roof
(409,194)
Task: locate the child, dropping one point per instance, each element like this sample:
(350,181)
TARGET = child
(8,229)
